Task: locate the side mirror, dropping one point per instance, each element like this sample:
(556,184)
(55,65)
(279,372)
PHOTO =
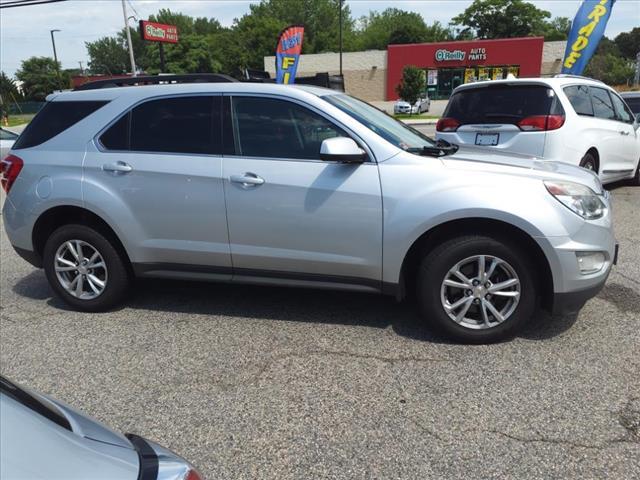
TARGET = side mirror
(638,118)
(341,149)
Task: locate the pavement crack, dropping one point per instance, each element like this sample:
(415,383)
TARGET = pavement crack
(627,277)
(558,441)
(260,372)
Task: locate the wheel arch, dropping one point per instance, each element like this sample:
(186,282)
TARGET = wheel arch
(58,216)
(594,151)
(476,226)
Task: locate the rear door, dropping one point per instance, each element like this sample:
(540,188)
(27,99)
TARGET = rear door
(508,117)
(156,174)
(630,143)
(292,215)
(612,135)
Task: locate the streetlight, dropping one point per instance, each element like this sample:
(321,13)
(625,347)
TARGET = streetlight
(126,27)
(55,56)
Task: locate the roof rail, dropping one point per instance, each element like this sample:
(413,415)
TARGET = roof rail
(157,79)
(568,75)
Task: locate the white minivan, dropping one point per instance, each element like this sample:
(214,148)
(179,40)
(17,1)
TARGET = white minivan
(566,118)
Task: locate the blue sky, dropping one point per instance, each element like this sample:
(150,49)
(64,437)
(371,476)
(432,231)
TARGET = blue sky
(24,32)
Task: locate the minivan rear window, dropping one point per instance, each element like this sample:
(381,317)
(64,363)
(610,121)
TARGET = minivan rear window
(53,119)
(502,104)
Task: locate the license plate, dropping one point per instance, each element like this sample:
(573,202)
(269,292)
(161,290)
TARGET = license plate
(488,139)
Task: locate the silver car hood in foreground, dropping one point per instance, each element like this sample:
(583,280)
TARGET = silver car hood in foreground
(483,160)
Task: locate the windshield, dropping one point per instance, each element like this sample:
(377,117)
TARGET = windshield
(387,127)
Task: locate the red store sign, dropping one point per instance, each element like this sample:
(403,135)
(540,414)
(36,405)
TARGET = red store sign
(158,32)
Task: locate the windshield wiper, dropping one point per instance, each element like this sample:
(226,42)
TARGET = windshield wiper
(440,149)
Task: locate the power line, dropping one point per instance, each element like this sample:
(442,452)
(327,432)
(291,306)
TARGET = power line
(134,9)
(27,3)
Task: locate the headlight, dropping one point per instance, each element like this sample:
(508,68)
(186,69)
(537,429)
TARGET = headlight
(578,198)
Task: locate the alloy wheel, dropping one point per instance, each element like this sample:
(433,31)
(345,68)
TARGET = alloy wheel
(80,269)
(480,292)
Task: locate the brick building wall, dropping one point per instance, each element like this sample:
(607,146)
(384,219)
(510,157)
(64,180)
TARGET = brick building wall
(365,73)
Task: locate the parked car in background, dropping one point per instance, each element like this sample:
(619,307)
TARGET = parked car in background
(566,118)
(298,186)
(44,439)
(633,100)
(7,139)
(402,107)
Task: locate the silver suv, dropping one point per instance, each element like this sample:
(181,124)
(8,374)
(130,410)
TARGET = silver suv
(298,186)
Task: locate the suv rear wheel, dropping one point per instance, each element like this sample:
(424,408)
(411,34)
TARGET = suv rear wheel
(589,162)
(636,178)
(478,289)
(85,269)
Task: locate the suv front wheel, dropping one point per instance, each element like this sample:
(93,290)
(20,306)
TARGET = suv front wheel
(478,289)
(85,269)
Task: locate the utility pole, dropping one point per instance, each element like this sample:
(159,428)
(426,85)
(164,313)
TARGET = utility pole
(637,79)
(126,27)
(340,36)
(55,56)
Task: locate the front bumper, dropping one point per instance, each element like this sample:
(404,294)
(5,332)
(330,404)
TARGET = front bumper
(571,302)
(565,303)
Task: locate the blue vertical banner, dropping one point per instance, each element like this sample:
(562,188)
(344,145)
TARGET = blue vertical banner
(586,31)
(288,53)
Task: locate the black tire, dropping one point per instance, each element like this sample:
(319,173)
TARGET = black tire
(117,283)
(589,162)
(635,181)
(435,267)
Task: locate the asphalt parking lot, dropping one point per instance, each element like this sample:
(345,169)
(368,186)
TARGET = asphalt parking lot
(250,382)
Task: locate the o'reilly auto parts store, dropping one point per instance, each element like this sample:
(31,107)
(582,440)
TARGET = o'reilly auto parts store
(374,74)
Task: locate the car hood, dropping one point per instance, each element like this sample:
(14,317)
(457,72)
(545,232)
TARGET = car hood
(484,160)
(403,104)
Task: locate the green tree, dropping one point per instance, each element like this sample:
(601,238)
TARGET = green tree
(412,85)
(319,17)
(611,69)
(392,25)
(436,32)
(502,19)
(39,77)
(8,89)
(629,43)
(556,29)
(108,56)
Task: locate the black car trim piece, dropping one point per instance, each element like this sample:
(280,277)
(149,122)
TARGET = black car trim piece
(25,398)
(142,269)
(149,463)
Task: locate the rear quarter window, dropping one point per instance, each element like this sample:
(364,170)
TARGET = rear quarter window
(580,99)
(53,119)
(502,104)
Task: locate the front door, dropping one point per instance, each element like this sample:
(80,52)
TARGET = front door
(290,214)
(156,175)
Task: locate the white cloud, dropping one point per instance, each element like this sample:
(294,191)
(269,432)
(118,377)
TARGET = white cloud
(25,31)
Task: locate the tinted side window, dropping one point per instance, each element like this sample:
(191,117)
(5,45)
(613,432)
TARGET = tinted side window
(602,106)
(177,125)
(634,103)
(117,136)
(53,119)
(580,99)
(622,111)
(266,127)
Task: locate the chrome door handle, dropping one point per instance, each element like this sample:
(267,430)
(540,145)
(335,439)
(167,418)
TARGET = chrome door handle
(120,167)
(622,132)
(247,179)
